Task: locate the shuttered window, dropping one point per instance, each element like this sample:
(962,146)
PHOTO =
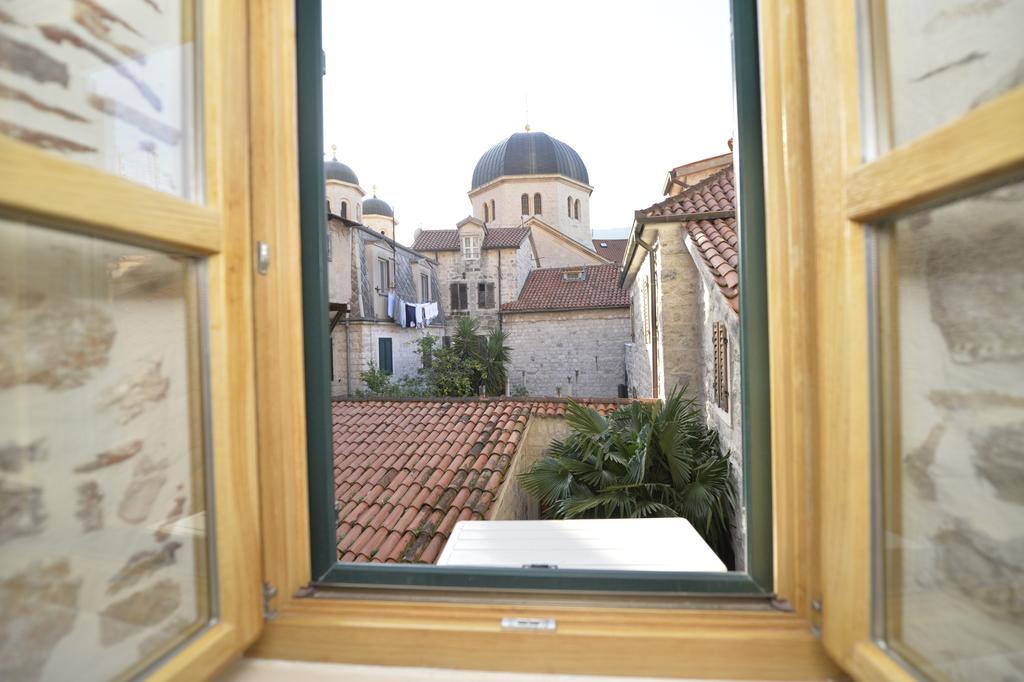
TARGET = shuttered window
(538,207)
(720,380)
(525,204)
(459,296)
(485,295)
(384,359)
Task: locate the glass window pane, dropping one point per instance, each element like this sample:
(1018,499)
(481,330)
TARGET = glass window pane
(108,83)
(954,425)
(104,559)
(938,59)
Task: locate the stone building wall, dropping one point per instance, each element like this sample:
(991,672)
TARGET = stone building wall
(554,191)
(513,502)
(574,353)
(512,264)
(639,361)
(364,347)
(680,314)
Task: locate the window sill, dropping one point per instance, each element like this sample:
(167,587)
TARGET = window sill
(588,639)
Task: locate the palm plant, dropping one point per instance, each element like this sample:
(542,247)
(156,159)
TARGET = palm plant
(643,460)
(494,354)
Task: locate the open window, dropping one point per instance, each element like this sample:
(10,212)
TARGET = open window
(129,451)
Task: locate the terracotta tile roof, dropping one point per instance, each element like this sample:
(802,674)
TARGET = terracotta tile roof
(716,237)
(405,471)
(548,289)
(612,249)
(448,240)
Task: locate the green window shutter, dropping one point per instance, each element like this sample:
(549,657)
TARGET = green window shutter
(384,352)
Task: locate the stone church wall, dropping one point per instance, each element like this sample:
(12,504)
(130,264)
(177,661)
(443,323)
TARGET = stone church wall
(573,353)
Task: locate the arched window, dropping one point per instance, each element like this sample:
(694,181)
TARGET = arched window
(577,209)
(537,207)
(525,201)
(568,206)
(494,214)
(487,213)
(344,209)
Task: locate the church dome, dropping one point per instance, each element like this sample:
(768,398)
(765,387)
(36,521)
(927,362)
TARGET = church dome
(336,170)
(529,154)
(375,206)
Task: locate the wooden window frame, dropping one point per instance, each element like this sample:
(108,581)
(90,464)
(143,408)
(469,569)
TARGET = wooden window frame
(485,295)
(219,231)
(538,204)
(688,635)
(524,204)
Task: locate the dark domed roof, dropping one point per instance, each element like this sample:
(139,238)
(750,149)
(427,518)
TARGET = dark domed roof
(529,154)
(375,206)
(336,170)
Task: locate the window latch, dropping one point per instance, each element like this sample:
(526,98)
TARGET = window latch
(262,257)
(535,624)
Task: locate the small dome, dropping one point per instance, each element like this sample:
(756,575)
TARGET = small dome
(336,170)
(529,154)
(375,206)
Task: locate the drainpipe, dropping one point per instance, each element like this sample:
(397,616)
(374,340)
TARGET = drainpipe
(348,363)
(655,346)
(499,290)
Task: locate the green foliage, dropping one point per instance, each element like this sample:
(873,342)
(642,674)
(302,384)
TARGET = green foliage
(458,371)
(377,380)
(494,355)
(643,460)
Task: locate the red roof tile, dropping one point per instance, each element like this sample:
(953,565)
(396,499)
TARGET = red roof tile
(612,249)
(548,289)
(402,508)
(715,238)
(448,240)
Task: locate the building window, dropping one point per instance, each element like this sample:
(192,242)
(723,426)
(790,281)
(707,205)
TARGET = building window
(487,212)
(577,209)
(720,349)
(538,207)
(385,361)
(344,209)
(459,296)
(383,274)
(471,248)
(525,204)
(568,206)
(485,295)
(424,288)
(494,214)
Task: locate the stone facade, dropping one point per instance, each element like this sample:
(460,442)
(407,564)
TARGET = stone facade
(505,270)
(513,502)
(555,191)
(568,353)
(675,327)
(357,278)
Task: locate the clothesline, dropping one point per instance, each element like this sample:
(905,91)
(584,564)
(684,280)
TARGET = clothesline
(411,314)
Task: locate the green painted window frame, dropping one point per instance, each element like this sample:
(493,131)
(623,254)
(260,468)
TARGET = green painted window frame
(757,581)
(384,352)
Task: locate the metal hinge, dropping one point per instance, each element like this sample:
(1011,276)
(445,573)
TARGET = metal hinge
(269,592)
(817,611)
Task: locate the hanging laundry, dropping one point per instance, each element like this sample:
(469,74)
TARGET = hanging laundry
(431,313)
(410,315)
(400,312)
(391,304)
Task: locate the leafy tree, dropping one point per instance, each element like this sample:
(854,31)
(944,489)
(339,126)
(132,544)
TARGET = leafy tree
(377,380)
(643,460)
(446,371)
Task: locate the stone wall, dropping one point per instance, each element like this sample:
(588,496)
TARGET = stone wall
(573,353)
(513,502)
(511,264)
(554,191)
(364,347)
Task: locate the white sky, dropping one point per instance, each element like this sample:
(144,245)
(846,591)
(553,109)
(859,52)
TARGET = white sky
(417,91)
